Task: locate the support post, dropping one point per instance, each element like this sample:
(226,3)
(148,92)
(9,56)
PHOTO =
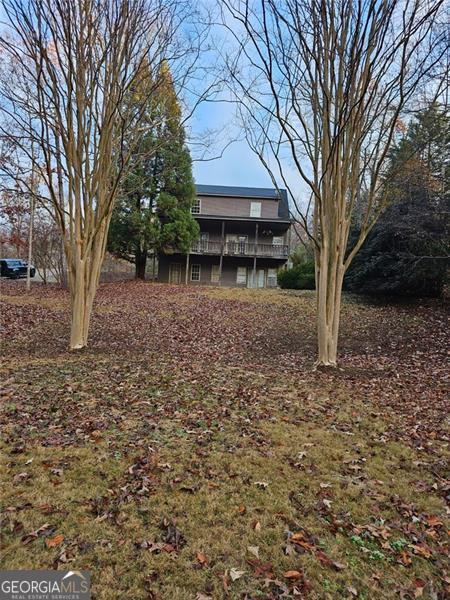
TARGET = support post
(254,257)
(187,269)
(221,253)
(289,241)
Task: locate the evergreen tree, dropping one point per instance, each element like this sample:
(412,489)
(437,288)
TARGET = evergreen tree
(152,212)
(406,254)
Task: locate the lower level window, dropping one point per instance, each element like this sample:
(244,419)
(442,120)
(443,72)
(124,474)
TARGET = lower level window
(241,276)
(195,272)
(215,274)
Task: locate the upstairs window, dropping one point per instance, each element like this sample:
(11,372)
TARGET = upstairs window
(195,272)
(255,209)
(196,207)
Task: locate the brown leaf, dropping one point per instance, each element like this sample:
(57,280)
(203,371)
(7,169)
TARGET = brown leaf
(46,509)
(292,574)
(202,558)
(323,558)
(421,550)
(434,521)
(405,559)
(55,541)
(29,537)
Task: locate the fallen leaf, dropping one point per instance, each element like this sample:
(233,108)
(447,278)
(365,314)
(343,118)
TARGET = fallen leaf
(434,521)
(21,477)
(292,574)
(202,558)
(338,566)
(254,550)
(419,584)
(421,550)
(29,537)
(55,541)
(405,559)
(235,574)
(262,484)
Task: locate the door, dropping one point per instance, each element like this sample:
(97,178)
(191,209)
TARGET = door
(271,278)
(175,273)
(261,278)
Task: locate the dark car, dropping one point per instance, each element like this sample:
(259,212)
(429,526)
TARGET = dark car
(15,268)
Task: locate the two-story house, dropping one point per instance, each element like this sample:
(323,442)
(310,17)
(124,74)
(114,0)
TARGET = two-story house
(243,239)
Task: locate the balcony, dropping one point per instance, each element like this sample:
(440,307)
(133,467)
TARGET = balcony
(241,249)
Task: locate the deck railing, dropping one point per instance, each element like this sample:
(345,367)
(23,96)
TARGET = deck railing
(241,249)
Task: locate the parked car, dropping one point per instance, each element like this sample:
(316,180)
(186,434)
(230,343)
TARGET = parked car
(15,268)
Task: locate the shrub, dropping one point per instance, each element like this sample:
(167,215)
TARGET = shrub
(300,277)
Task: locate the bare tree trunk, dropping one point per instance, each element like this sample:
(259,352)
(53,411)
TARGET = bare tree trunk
(30,243)
(329,295)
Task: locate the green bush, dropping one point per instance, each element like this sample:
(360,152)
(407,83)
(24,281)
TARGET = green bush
(300,277)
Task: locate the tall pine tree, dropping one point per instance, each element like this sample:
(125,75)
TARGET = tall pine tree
(153,212)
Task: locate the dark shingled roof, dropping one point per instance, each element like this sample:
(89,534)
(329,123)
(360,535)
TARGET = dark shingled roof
(248,192)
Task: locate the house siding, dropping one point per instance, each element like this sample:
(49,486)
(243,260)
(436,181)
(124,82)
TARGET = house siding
(236,207)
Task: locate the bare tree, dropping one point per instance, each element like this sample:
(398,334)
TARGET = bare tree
(321,86)
(67,68)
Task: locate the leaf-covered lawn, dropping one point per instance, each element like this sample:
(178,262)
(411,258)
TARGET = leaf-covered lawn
(191,452)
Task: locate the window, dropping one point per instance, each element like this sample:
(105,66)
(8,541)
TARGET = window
(215,274)
(241,275)
(195,272)
(255,209)
(196,207)
(271,278)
